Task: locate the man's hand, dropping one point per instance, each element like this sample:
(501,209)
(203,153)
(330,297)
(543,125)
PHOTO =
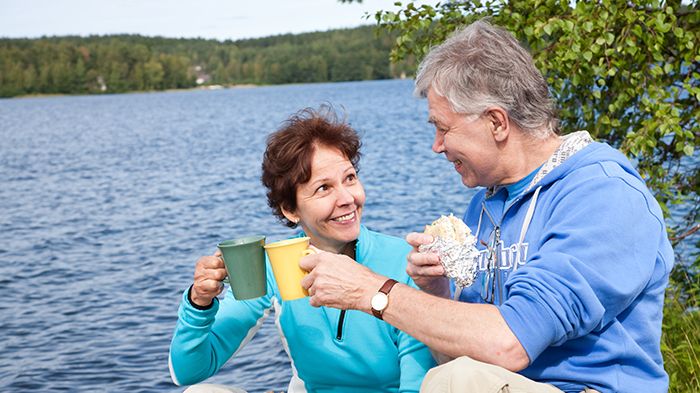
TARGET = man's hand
(338,281)
(425,268)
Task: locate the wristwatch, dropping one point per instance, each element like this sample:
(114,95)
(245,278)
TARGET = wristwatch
(381,299)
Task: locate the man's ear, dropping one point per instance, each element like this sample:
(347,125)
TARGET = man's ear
(289,215)
(499,124)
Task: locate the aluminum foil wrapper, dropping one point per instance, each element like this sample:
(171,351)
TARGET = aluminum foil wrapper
(458,259)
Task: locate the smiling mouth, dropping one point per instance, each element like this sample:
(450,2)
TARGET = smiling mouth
(344,218)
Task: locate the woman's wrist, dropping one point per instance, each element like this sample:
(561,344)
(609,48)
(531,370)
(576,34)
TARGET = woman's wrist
(196,303)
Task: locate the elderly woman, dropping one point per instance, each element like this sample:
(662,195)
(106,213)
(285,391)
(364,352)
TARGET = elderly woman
(310,172)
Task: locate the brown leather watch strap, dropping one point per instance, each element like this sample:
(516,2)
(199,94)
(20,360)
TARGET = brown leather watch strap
(388,284)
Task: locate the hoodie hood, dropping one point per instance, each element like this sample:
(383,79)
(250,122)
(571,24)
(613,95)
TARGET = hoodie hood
(578,150)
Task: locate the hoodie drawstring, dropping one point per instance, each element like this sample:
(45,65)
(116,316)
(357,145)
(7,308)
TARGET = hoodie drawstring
(526,222)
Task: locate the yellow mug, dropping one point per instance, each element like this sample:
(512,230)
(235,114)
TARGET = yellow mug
(284,257)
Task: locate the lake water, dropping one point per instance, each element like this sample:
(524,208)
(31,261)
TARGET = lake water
(107,202)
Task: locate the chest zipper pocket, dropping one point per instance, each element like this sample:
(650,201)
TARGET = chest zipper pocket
(341,320)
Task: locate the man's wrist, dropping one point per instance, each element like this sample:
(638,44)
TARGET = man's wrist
(380,300)
(376,284)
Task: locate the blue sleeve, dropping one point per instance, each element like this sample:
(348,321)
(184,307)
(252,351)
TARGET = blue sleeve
(415,359)
(597,251)
(205,339)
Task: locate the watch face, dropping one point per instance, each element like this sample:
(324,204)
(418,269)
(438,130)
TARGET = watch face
(379,301)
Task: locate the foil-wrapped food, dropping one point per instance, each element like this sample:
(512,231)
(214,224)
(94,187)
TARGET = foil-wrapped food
(456,247)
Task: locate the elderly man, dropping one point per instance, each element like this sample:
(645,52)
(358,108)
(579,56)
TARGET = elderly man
(574,253)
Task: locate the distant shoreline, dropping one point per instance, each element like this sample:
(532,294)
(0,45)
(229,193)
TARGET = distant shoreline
(130,63)
(208,87)
(184,89)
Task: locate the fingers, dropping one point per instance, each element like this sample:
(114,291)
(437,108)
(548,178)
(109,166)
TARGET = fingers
(416,239)
(424,267)
(207,288)
(316,250)
(425,271)
(211,262)
(335,281)
(308,281)
(418,258)
(208,274)
(309,262)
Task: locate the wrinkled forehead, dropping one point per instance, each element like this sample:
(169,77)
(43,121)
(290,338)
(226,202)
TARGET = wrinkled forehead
(441,111)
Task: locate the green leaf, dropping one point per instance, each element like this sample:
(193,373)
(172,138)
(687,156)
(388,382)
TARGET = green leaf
(587,55)
(609,38)
(569,25)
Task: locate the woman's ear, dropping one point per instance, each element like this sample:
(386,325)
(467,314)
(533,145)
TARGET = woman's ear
(500,127)
(289,215)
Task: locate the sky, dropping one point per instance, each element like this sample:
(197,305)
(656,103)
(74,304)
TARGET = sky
(215,19)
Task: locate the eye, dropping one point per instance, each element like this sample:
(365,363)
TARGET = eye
(322,188)
(351,177)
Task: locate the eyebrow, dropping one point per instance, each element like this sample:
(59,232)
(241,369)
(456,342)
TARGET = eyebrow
(436,123)
(327,179)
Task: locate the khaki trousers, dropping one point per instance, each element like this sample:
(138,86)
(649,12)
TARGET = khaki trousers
(466,375)
(212,388)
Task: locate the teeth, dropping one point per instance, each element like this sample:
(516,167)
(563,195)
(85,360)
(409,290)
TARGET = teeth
(345,217)
(458,162)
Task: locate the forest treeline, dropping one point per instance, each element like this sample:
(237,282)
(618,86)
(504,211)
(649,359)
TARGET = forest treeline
(121,63)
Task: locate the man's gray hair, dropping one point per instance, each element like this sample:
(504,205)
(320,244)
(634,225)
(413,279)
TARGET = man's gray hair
(483,65)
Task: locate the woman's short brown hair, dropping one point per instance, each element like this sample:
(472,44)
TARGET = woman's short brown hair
(287,160)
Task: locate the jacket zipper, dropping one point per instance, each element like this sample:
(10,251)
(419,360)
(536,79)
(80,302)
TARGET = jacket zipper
(341,319)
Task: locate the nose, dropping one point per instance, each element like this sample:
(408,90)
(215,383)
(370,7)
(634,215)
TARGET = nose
(439,143)
(344,196)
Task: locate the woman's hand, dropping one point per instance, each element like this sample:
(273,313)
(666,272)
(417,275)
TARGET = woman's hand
(425,268)
(208,274)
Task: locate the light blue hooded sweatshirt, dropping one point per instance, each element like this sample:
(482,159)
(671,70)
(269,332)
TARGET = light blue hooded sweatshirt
(583,260)
(330,350)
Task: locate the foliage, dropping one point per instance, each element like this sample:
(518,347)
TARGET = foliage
(628,72)
(110,64)
(680,343)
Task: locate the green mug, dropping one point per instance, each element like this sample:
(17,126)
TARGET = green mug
(245,265)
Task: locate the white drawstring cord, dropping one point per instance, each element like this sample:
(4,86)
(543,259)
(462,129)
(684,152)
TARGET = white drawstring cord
(526,223)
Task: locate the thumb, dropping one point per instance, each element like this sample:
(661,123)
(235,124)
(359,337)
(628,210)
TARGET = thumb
(309,262)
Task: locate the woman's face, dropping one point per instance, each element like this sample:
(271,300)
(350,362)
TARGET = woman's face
(329,205)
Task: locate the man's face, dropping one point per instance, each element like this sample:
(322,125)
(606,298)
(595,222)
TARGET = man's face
(466,141)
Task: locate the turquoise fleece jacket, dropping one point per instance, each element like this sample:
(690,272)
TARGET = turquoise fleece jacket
(583,274)
(355,352)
